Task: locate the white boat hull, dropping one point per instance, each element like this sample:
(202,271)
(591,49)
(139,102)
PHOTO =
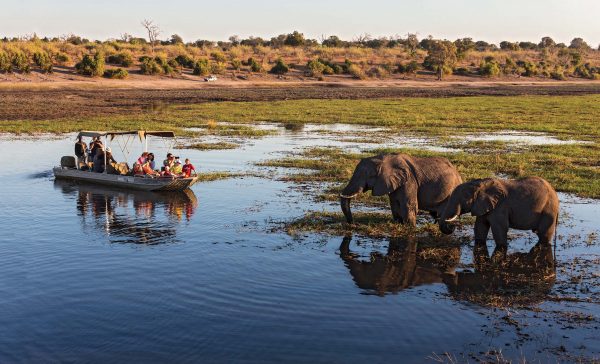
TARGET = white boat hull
(140,183)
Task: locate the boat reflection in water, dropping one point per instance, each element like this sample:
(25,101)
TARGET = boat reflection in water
(132,216)
(518,278)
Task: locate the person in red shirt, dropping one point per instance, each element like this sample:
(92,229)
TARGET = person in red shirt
(188,168)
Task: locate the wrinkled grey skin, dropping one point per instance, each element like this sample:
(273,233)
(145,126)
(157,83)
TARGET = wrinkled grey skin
(524,204)
(411,183)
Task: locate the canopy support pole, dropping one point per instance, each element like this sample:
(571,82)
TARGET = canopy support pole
(146,143)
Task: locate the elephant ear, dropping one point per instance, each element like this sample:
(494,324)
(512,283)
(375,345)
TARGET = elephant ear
(391,174)
(487,197)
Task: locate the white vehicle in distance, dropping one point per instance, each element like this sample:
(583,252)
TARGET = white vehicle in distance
(210,78)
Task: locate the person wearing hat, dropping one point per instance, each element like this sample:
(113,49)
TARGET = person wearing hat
(99,159)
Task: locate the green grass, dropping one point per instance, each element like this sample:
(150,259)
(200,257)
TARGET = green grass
(562,115)
(569,168)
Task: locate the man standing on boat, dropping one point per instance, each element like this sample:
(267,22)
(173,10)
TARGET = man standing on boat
(81,152)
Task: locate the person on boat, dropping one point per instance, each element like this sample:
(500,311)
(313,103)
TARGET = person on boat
(169,161)
(138,166)
(81,152)
(99,159)
(188,168)
(177,168)
(94,147)
(151,161)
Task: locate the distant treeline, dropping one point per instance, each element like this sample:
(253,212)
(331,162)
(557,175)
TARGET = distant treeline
(362,57)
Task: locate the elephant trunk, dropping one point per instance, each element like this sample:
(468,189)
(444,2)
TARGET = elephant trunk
(449,215)
(345,198)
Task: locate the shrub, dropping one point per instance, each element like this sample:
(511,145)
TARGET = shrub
(202,67)
(20,61)
(280,68)
(530,69)
(185,61)
(254,65)
(117,73)
(411,67)
(335,68)
(217,67)
(558,73)
(91,66)
(43,61)
(236,64)
(61,58)
(315,68)
(489,69)
(377,72)
(218,57)
(5,63)
(356,72)
(149,66)
(124,59)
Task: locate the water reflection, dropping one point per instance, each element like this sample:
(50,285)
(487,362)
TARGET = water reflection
(131,216)
(517,279)
(406,264)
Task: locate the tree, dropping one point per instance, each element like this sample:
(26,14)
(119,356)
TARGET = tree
(294,39)
(235,40)
(441,56)
(411,43)
(547,42)
(280,68)
(333,41)
(176,39)
(509,46)
(153,31)
(579,44)
(463,46)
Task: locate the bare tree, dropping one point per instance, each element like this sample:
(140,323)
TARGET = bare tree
(153,32)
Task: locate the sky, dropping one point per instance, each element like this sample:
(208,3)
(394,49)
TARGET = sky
(490,20)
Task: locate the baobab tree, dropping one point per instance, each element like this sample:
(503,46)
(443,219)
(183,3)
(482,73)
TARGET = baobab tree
(153,32)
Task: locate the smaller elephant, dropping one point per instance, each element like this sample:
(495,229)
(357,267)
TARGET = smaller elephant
(411,183)
(524,204)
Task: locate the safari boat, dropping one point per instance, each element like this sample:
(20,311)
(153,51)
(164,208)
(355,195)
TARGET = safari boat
(69,169)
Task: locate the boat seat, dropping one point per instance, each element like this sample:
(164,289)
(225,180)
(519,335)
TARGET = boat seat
(68,161)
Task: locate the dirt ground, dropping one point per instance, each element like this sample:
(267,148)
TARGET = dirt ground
(36,99)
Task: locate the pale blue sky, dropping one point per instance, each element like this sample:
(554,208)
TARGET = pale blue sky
(491,20)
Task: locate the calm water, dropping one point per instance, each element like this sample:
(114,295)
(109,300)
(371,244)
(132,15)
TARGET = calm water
(93,274)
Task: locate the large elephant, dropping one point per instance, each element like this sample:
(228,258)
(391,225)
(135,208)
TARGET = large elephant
(411,183)
(406,264)
(525,204)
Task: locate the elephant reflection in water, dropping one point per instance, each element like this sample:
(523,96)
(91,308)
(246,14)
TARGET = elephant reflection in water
(405,265)
(519,277)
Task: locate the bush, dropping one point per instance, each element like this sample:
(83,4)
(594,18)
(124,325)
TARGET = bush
(217,67)
(489,69)
(530,69)
(149,66)
(377,72)
(117,73)
(20,61)
(185,61)
(61,58)
(558,73)
(280,68)
(331,67)
(411,67)
(91,66)
(315,68)
(202,67)
(254,65)
(124,59)
(356,72)
(236,64)
(43,61)
(218,57)
(5,63)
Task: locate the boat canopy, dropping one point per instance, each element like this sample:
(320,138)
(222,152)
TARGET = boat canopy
(140,133)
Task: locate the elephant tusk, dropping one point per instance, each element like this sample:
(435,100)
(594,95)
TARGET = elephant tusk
(344,196)
(452,219)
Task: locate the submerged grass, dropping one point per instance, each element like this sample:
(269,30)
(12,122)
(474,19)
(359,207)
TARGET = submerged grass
(211,146)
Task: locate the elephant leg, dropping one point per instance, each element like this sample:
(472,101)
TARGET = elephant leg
(395,207)
(407,205)
(481,230)
(546,229)
(500,233)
